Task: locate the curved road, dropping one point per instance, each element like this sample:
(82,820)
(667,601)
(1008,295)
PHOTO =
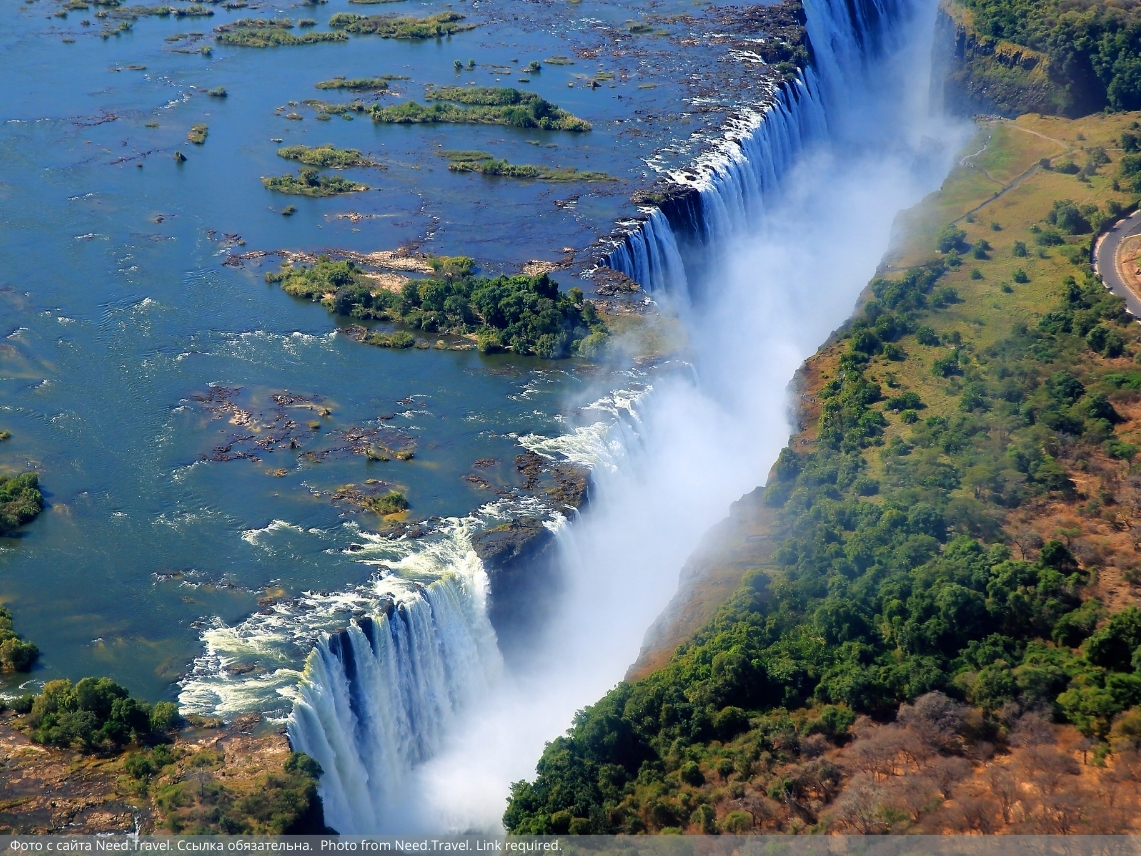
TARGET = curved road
(1105,260)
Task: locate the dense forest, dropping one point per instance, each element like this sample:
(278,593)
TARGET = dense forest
(908,623)
(522,314)
(1091,53)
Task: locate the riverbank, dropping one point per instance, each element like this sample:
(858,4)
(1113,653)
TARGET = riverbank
(235,779)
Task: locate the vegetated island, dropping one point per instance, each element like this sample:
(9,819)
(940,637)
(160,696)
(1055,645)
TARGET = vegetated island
(1017,56)
(522,314)
(269,33)
(326,110)
(393,502)
(487,164)
(400,26)
(491,106)
(117,11)
(325,156)
(20,501)
(360,84)
(309,182)
(929,617)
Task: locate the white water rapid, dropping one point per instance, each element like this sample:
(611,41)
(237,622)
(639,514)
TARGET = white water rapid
(416,726)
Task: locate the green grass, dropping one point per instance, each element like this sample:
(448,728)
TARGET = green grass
(197,134)
(400,27)
(325,156)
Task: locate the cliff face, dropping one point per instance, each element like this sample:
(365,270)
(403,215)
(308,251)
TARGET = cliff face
(986,75)
(1048,58)
(520,555)
(750,534)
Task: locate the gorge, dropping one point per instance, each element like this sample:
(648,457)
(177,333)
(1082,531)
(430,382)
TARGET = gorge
(387,474)
(753,253)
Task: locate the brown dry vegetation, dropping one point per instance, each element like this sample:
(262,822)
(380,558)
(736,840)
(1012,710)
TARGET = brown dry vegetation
(940,768)
(236,778)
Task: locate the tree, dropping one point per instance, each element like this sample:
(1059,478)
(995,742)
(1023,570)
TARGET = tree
(950,239)
(20,501)
(1112,646)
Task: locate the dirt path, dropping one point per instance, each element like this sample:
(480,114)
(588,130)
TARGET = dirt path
(1006,188)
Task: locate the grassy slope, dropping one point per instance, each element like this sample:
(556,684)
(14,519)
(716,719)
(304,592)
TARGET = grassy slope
(761,781)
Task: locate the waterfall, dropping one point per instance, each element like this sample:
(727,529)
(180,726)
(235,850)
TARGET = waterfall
(670,249)
(650,256)
(377,697)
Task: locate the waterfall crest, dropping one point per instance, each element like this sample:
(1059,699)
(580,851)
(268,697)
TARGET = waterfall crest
(669,250)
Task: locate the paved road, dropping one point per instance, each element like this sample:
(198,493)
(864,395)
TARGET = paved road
(1105,260)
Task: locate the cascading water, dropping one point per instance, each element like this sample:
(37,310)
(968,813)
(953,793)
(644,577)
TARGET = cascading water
(670,249)
(381,705)
(377,697)
(730,192)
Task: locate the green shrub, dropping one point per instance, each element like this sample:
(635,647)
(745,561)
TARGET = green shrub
(527,315)
(309,182)
(20,501)
(392,502)
(95,714)
(950,239)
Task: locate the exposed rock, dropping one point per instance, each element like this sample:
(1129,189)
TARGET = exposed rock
(564,483)
(520,560)
(609,282)
(983,74)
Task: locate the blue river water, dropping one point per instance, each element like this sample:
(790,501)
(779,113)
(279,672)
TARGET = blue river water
(118,315)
